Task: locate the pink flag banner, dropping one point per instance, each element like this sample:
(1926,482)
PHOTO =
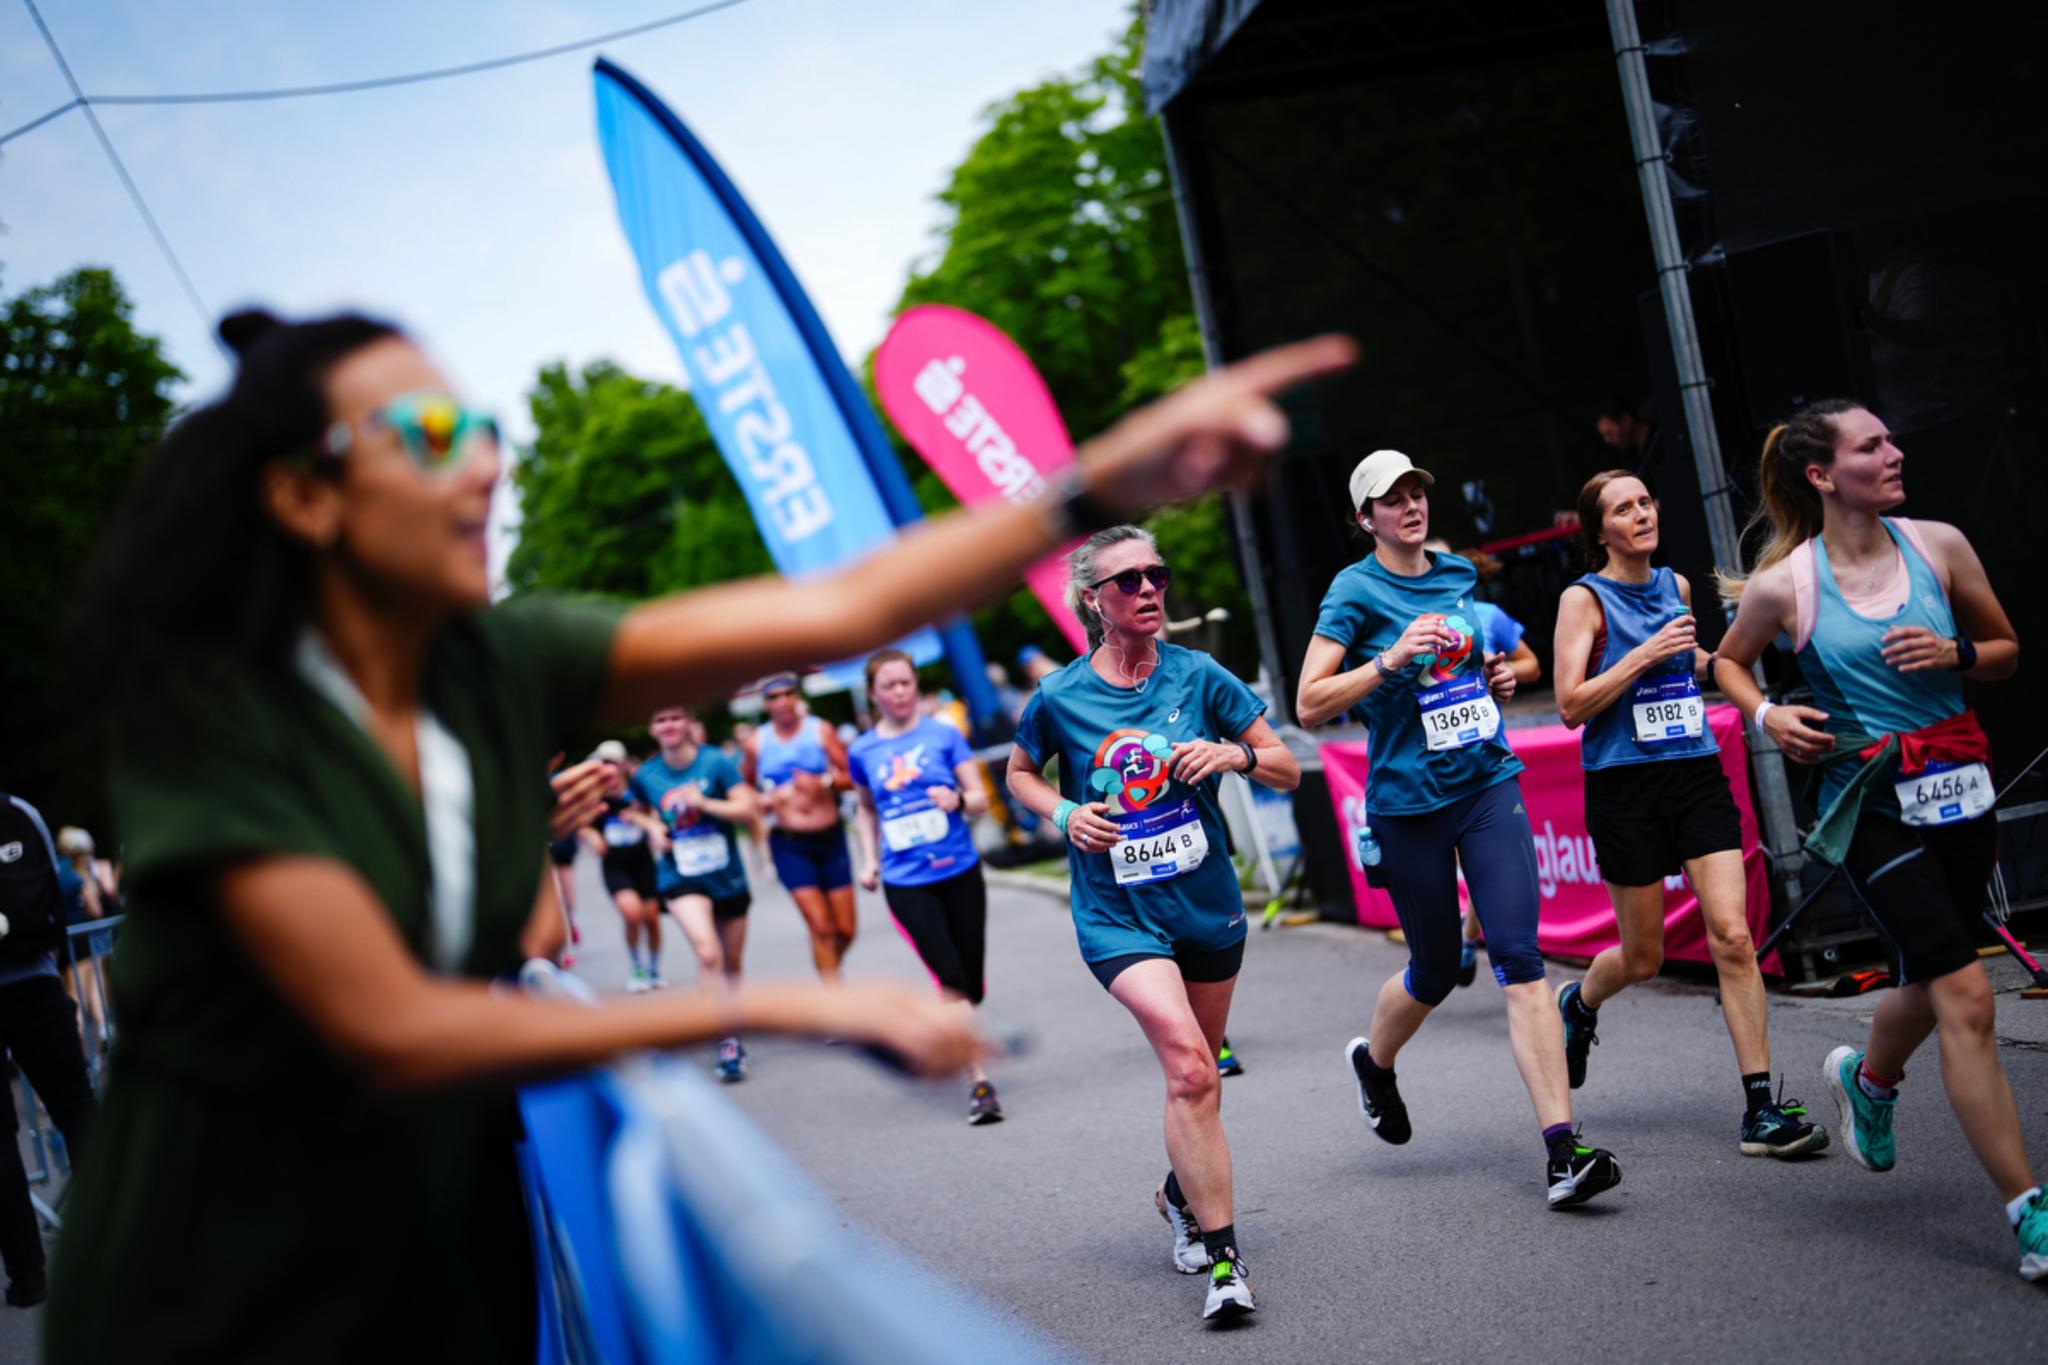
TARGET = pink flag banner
(1577,920)
(974,406)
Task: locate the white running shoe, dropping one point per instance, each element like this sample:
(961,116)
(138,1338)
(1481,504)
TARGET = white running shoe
(636,982)
(1230,1292)
(1190,1257)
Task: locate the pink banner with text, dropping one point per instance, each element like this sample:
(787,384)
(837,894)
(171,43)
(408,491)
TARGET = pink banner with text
(974,406)
(1577,918)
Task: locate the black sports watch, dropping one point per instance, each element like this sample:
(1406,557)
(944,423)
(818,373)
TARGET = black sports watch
(1251,757)
(1966,654)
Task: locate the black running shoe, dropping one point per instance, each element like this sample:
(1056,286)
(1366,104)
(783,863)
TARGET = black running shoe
(1468,963)
(982,1106)
(1781,1129)
(1379,1099)
(1578,1172)
(1579,1038)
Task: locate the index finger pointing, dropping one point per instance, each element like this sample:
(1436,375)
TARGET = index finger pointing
(1282,367)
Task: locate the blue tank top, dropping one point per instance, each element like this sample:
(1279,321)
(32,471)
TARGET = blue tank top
(1844,664)
(781,759)
(1652,722)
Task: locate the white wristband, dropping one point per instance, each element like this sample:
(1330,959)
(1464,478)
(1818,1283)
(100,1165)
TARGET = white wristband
(1763,708)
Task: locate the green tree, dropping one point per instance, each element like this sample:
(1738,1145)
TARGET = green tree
(623,492)
(83,397)
(1058,227)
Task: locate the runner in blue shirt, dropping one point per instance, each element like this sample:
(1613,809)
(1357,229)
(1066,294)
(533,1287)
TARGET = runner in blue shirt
(1657,798)
(1396,634)
(918,786)
(700,797)
(1143,731)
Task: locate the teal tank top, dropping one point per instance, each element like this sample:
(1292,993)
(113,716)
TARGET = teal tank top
(1865,697)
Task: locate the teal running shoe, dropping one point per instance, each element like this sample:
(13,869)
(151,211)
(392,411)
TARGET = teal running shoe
(1866,1124)
(2032,1230)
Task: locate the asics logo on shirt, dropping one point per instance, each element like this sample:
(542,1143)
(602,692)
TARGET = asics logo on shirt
(1130,769)
(10,852)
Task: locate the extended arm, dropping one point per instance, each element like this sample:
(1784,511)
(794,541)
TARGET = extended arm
(314,928)
(1216,432)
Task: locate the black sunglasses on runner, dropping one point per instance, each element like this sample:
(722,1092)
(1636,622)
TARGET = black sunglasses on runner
(1158,576)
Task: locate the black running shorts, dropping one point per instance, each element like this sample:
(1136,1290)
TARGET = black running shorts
(630,869)
(1648,819)
(1195,964)
(1924,888)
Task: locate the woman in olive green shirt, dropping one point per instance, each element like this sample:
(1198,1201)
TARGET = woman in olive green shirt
(327,767)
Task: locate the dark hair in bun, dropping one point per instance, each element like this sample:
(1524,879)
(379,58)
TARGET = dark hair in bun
(242,329)
(193,567)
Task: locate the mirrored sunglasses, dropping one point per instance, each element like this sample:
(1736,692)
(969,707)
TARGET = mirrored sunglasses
(1127,581)
(439,435)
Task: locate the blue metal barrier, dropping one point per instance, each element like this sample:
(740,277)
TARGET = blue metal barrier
(670,1228)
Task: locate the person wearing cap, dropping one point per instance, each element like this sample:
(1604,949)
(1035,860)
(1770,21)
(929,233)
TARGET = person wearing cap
(1397,637)
(621,834)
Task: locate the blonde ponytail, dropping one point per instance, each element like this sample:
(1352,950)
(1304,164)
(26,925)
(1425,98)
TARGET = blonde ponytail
(1787,503)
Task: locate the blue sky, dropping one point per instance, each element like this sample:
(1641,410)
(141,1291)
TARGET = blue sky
(475,210)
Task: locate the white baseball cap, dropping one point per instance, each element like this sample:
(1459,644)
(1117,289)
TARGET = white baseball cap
(1378,472)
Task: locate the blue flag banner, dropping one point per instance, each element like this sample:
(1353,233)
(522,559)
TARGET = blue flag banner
(794,427)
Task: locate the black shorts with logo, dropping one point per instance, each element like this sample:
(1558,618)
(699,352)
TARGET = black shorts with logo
(1648,819)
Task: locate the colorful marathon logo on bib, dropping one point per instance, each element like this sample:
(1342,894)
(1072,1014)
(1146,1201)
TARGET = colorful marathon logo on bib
(1130,769)
(904,769)
(680,814)
(1443,667)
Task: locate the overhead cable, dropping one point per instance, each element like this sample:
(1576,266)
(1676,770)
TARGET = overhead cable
(287,92)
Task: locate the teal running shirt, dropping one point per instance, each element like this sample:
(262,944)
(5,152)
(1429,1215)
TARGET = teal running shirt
(1169,881)
(1366,610)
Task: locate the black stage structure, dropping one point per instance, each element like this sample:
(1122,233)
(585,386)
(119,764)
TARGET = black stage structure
(1709,210)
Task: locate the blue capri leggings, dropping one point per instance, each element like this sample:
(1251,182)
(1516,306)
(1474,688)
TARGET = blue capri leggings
(1488,832)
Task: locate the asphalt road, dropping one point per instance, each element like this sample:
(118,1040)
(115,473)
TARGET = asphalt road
(1440,1249)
